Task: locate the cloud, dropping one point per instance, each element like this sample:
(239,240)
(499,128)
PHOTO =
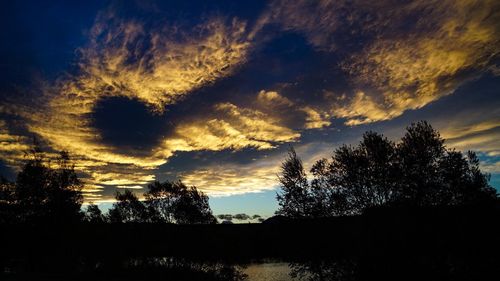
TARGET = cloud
(394,56)
(315,119)
(487,141)
(273,99)
(491,167)
(231,179)
(395,68)
(282,108)
(156,65)
(12,147)
(224,179)
(230,127)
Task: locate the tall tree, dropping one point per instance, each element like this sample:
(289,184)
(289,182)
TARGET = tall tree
(295,197)
(419,154)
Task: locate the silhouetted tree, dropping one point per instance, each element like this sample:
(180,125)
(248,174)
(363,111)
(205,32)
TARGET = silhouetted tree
(241,217)
(176,202)
(227,217)
(64,198)
(432,175)
(46,193)
(128,209)
(167,202)
(295,196)
(418,171)
(93,214)
(419,153)
(356,178)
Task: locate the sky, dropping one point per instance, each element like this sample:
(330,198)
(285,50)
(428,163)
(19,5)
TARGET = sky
(213,93)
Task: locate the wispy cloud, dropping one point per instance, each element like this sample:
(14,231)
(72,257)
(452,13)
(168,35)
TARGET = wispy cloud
(399,66)
(392,56)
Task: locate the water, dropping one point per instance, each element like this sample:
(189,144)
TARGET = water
(268,272)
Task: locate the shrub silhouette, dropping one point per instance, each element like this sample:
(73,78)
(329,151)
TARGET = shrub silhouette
(417,171)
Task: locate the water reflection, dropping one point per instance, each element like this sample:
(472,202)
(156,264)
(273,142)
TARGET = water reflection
(272,271)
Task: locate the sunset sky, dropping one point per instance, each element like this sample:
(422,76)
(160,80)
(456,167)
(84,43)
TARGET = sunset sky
(214,92)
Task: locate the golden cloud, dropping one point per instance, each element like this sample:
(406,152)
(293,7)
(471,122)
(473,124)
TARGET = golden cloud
(450,42)
(315,119)
(157,66)
(233,128)
(224,180)
(12,147)
(259,175)
(126,59)
(412,70)
(398,68)
(273,99)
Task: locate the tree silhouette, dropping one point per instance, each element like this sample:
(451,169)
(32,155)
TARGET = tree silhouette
(46,193)
(176,202)
(128,209)
(294,200)
(93,214)
(417,171)
(167,202)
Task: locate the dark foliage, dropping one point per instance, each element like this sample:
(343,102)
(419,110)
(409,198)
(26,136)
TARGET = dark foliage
(295,199)
(93,214)
(128,208)
(176,202)
(44,192)
(167,202)
(417,171)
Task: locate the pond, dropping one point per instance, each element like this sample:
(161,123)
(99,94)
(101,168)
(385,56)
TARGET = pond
(273,271)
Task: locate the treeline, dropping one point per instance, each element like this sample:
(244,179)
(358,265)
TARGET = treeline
(417,171)
(402,189)
(426,208)
(228,218)
(49,192)
(167,202)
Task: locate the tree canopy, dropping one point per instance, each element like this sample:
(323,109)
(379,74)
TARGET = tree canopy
(44,191)
(167,202)
(416,171)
